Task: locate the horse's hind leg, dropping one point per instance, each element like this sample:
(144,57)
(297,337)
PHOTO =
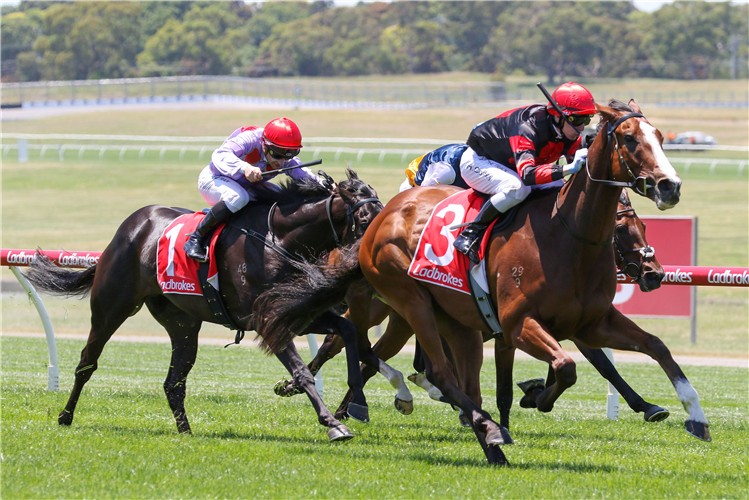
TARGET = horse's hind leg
(110,307)
(183,331)
(304,379)
(601,362)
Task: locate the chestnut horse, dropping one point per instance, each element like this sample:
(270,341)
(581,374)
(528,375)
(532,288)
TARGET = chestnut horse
(633,256)
(551,274)
(260,245)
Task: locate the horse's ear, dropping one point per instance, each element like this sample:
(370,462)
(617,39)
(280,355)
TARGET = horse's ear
(632,104)
(607,113)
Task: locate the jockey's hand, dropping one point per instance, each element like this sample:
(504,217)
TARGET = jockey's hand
(253,174)
(581,156)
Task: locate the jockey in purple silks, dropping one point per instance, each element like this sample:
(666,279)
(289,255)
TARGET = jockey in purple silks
(229,182)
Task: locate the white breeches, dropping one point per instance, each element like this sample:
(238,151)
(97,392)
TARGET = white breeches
(502,182)
(215,188)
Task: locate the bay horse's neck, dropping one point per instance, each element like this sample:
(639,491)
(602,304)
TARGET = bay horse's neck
(589,207)
(307,229)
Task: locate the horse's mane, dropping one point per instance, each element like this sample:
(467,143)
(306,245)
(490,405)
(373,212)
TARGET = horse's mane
(297,192)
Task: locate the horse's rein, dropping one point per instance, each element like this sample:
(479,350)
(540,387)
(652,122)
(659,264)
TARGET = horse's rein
(350,211)
(611,134)
(631,269)
(610,131)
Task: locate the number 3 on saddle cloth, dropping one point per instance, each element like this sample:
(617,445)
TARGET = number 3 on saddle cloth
(436,260)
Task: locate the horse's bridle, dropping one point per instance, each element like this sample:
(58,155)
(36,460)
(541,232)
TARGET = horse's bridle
(631,269)
(350,212)
(610,132)
(614,143)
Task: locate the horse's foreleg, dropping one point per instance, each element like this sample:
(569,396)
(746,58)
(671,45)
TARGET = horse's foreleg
(535,340)
(619,332)
(331,322)
(290,358)
(183,331)
(327,351)
(601,362)
(388,345)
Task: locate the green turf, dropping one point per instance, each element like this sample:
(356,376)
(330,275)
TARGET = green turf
(247,443)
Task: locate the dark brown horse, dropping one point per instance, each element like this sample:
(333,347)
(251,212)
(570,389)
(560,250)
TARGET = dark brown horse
(633,256)
(551,273)
(261,245)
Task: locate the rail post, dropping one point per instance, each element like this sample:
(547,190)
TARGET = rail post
(53,370)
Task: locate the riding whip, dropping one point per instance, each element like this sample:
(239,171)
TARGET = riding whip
(281,170)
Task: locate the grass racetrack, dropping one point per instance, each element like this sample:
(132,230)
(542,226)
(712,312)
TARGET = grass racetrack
(247,443)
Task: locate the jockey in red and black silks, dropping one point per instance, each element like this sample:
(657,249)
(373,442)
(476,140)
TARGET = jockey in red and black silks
(235,172)
(517,150)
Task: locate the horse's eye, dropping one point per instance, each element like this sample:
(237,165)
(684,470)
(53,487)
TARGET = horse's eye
(628,138)
(621,229)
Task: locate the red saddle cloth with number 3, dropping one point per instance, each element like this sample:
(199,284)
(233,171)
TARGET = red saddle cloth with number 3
(176,272)
(436,260)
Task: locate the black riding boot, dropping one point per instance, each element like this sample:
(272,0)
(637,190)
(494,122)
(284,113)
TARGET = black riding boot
(196,245)
(470,238)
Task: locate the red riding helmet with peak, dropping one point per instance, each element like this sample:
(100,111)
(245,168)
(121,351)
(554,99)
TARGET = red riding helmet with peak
(283,138)
(574,99)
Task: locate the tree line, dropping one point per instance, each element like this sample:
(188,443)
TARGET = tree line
(91,40)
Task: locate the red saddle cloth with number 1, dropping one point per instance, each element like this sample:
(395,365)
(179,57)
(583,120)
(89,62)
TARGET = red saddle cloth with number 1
(176,272)
(436,260)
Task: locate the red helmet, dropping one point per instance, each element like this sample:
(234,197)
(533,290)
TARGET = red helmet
(282,133)
(574,99)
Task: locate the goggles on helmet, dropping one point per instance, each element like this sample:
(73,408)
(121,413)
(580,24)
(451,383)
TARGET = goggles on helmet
(281,153)
(577,120)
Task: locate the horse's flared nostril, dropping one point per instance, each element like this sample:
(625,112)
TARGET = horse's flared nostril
(651,280)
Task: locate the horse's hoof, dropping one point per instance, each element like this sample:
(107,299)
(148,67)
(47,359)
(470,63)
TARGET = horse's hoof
(699,430)
(495,456)
(358,412)
(416,378)
(463,419)
(656,414)
(405,407)
(528,401)
(339,433)
(286,389)
(65,418)
(529,386)
(498,436)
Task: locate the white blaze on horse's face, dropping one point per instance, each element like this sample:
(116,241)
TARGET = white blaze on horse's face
(663,200)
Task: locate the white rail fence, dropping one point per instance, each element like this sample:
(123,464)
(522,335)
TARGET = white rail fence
(85,145)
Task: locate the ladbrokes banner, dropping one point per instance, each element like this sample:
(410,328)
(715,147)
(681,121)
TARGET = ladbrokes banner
(674,240)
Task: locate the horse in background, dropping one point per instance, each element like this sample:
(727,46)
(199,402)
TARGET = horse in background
(262,244)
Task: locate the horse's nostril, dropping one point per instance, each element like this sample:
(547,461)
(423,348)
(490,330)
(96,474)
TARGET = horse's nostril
(668,187)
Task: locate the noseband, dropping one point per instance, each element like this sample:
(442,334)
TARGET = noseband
(632,269)
(350,212)
(614,142)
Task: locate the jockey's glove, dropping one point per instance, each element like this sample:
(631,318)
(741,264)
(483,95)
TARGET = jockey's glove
(577,163)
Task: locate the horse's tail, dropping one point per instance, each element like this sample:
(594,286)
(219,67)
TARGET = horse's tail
(46,275)
(283,312)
